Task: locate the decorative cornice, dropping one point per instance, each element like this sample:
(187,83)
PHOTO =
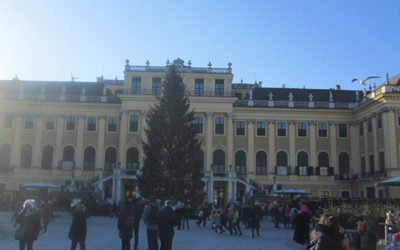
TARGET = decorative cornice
(313,122)
(209,114)
(291,122)
(271,122)
(251,121)
(334,123)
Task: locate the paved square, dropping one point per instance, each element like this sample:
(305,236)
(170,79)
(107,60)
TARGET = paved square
(103,234)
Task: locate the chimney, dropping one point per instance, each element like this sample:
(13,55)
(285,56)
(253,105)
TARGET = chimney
(337,87)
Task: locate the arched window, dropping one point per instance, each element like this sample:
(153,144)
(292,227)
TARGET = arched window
(47,157)
(344,164)
(132,159)
(240,162)
(5,153)
(26,156)
(68,158)
(323,159)
(261,163)
(281,158)
(89,158)
(302,159)
(219,162)
(199,158)
(111,159)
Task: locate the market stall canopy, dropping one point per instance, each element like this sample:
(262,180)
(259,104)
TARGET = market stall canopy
(291,191)
(39,185)
(390,182)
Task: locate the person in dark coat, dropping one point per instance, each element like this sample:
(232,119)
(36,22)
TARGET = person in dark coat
(302,227)
(255,217)
(167,220)
(137,210)
(126,222)
(327,236)
(369,231)
(78,229)
(29,220)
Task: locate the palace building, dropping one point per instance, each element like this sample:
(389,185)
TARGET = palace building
(87,135)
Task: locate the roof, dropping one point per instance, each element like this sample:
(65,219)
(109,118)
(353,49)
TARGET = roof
(395,80)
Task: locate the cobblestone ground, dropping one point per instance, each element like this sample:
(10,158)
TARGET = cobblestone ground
(103,234)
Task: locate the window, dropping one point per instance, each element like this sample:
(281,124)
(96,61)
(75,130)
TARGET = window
(261,163)
(29,121)
(136,85)
(68,158)
(240,127)
(371,164)
(199,86)
(70,122)
(50,122)
(8,121)
(5,154)
(379,120)
(47,157)
(369,124)
(281,128)
(219,87)
(219,162)
(134,123)
(26,156)
(91,123)
(361,128)
(281,158)
(323,163)
(240,162)
(362,161)
(112,124)
(344,165)
(110,159)
(382,161)
(132,159)
(324,194)
(198,124)
(260,128)
(345,194)
(156,86)
(322,129)
(219,125)
(302,163)
(301,129)
(89,159)
(342,130)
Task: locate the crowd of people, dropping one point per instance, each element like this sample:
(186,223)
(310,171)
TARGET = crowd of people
(161,217)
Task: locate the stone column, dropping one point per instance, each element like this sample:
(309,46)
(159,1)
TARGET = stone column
(36,151)
(113,193)
(355,147)
(366,151)
(16,149)
(229,190)
(79,142)
(211,191)
(143,136)
(59,135)
(123,133)
(292,144)
(375,141)
(118,189)
(332,140)
(100,144)
(313,143)
(209,136)
(251,168)
(234,191)
(271,146)
(229,138)
(389,123)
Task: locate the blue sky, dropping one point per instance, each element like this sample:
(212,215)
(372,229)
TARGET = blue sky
(316,44)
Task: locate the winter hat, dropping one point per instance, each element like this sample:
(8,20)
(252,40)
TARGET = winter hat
(304,208)
(30,203)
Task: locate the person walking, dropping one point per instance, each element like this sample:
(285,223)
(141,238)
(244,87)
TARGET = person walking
(166,222)
(201,215)
(255,217)
(236,220)
(369,231)
(78,229)
(276,214)
(137,213)
(150,218)
(186,215)
(126,222)
(302,227)
(29,220)
(46,216)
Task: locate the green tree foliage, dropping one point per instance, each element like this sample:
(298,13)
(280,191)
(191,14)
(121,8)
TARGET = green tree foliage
(170,167)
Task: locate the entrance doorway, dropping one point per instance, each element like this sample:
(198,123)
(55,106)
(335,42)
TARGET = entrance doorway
(219,194)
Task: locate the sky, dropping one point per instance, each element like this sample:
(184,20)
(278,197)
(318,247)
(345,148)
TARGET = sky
(307,43)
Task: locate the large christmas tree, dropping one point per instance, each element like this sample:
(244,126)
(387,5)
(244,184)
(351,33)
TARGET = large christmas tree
(170,167)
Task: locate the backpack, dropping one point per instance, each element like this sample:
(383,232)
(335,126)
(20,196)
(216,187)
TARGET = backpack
(129,221)
(153,216)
